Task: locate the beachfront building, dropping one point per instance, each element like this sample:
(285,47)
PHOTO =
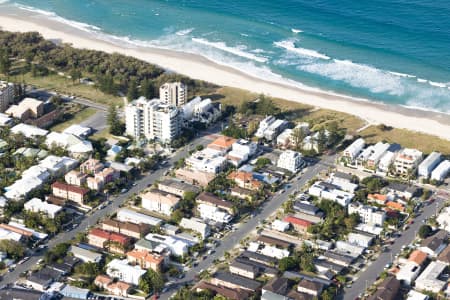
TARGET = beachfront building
(153,120)
(6,95)
(290,160)
(270,128)
(376,153)
(241,151)
(27,108)
(428,165)
(407,161)
(441,171)
(352,151)
(174,93)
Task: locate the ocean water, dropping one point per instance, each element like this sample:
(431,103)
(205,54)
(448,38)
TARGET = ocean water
(393,51)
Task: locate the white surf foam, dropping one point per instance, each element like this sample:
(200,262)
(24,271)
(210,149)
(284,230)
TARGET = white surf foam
(290,46)
(421,80)
(402,74)
(437,84)
(296,30)
(239,50)
(184,31)
(3,1)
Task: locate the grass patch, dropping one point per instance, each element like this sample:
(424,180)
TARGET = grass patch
(76,119)
(64,85)
(410,139)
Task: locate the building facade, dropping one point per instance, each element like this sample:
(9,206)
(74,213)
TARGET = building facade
(174,93)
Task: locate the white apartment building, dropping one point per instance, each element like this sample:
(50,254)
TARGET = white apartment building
(196,225)
(174,93)
(378,150)
(128,215)
(330,192)
(368,214)
(213,213)
(153,120)
(207,160)
(38,206)
(241,151)
(121,270)
(429,164)
(290,160)
(264,125)
(6,95)
(407,160)
(352,151)
(441,171)
(408,272)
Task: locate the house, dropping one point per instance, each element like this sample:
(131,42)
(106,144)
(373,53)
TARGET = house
(259,258)
(76,146)
(443,219)
(308,211)
(429,164)
(245,180)
(387,290)
(75,178)
(194,176)
(241,151)
(349,248)
(85,255)
(78,130)
(196,225)
(408,273)
(429,279)
(368,214)
(207,160)
(177,187)
(396,206)
(417,257)
(324,266)
(212,200)
(299,225)
(279,225)
(377,198)
(28,131)
(145,259)
(278,286)
(160,201)
(406,161)
(11,293)
(291,161)
(222,144)
(128,215)
(176,246)
(28,108)
(73,292)
(353,150)
(121,270)
(360,239)
(344,181)
(271,241)
(118,288)
(102,281)
(433,245)
(38,206)
(338,258)
(330,192)
(114,242)
(91,166)
(444,256)
(136,231)
(232,294)
(242,193)
(310,287)
(214,213)
(243,270)
(415,295)
(42,279)
(70,192)
(233,281)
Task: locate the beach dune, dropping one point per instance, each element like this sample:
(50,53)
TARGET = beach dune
(198,67)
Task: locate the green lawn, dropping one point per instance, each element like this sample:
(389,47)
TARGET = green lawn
(63,85)
(77,118)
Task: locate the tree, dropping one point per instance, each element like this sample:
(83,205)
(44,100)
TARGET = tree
(147,89)
(287,264)
(115,126)
(322,141)
(151,282)
(13,249)
(261,162)
(298,135)
(424,231)
(75,74)
(132,93)
(5,63)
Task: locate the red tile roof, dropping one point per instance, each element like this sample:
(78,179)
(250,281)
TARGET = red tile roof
(111,236)
(70,188)
(297,221)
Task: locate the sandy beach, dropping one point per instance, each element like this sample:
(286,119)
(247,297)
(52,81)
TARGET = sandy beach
(200,68)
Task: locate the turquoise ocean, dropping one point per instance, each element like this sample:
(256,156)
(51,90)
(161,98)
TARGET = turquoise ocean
(392,51)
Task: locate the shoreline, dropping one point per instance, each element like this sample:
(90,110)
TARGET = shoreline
(198,67)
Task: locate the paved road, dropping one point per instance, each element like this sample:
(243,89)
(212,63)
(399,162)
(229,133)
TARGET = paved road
(232,239)
(94,217)
(97,121)
(369,276)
